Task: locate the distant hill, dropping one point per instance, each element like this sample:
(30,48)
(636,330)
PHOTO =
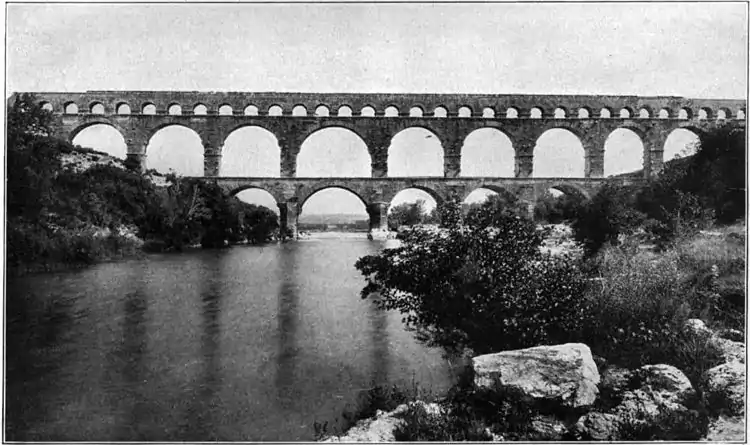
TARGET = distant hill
(639,173)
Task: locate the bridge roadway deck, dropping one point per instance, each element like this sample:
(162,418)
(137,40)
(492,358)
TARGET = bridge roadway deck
(383,190)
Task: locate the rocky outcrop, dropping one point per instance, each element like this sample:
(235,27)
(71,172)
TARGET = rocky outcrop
(725,388)
(597,426)
(381,427)
(726,429)
(564,374)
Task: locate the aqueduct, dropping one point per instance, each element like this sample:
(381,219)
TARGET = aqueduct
(377,118)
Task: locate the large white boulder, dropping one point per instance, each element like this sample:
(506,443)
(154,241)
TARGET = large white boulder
(562,373)
(725,387)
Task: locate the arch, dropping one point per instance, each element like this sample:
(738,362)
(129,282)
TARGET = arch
(415,151)
(464,111)
(96,108)
(605,113)
(391,111)
(251,110)
(322,111)
(704,113)
(487,152)
(334,152)
(570,189)
(275,110)
(561,113)
(367,111)
(46,106)
(684,113)
(488,113)
(740,114)
(414,193)
(511,113)
(174,110)
(251,151)
(664,113)
(71,108)
(416,112)
(536,113)
(148,108)
(200,110)
(681,142)
(345,111)
(623,152)
(625,113)
(644,113)
(175,147)
(584,113)
(101,136)
(123,108)
(559,153)
(723,114)
(440,112)
(257,195)
(305,199)
(485,191)
(225,110)
(299,110)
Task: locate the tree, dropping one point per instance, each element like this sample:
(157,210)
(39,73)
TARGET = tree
(497,206)
(407,214)
(482,284)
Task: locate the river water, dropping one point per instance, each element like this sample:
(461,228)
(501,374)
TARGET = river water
(249,343)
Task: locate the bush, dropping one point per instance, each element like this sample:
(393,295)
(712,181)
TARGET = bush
(608,215)
(485,287)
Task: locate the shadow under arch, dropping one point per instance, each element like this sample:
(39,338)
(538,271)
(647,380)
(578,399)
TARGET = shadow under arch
(570,190)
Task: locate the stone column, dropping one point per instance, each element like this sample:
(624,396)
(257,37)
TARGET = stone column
(377,145)
(378,212)
(213,142)
(289,146)
(136,150)
(452,158)
(288,215)
(524,158)
(653,152)
(593,147)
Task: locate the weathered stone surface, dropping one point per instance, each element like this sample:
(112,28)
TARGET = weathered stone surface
(663,389)
(731,351)
(597,426)
(731,334)
(727,429)
(616,379)
(725,388)
(696,326)
(547,428)
(563,373)
(381,427)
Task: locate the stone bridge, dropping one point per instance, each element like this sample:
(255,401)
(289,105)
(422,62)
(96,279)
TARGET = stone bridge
(377,118)
(377,193)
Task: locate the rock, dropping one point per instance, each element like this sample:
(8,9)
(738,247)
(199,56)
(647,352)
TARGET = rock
(563,373)
(732,334)
(662,390)
(547,428)
(381,427)
(725,388)
(616,379)
(727,429)
(731,351)
(597,426)
(696,326)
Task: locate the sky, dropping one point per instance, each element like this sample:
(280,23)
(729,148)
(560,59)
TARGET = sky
(683,49)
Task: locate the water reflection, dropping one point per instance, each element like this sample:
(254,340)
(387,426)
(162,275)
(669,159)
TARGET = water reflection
(288,317)
(201,425)
(380,345)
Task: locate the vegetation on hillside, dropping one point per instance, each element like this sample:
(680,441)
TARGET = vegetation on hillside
(481,284)
(58,215)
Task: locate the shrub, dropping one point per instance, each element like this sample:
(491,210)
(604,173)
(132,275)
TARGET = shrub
(488,288)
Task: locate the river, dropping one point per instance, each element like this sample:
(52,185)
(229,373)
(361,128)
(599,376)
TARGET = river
(251,343)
